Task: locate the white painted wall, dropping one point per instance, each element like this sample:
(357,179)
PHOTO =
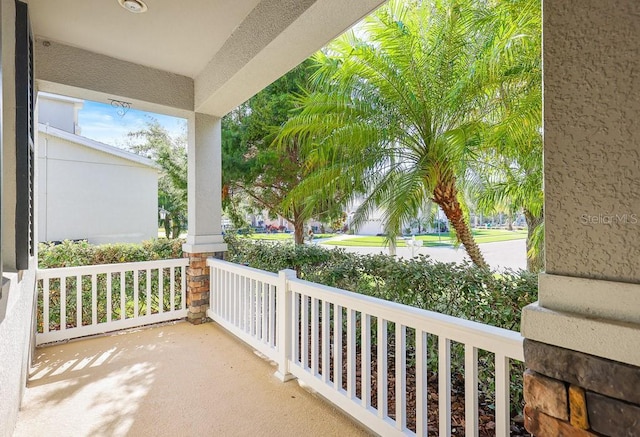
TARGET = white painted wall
(59,111)
(89,194)
(17,297)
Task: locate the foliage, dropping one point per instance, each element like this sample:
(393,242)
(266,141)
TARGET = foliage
(70,253)
(508,172)
(459,290)
(171,155)
(396,112)
(254,168)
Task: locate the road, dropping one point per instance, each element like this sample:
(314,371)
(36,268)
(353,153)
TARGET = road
(499,255)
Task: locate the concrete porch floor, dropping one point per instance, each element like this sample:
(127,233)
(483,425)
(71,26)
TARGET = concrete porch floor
(170,380)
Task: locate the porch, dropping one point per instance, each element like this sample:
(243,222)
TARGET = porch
(394,369)
(168,380)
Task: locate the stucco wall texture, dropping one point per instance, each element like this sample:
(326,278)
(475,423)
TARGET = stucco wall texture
(592,138)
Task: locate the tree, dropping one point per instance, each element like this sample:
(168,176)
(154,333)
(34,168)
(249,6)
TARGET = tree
(264,172)
(170,153)
(509,169)
(396,111)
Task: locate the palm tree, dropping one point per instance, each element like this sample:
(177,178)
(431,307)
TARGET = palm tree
(510,163)
(396,111)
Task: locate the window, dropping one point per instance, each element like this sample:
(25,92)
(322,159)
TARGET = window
(25,132)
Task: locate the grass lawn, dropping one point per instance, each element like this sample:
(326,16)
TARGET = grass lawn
(271,237)
(431,240)
(283,236)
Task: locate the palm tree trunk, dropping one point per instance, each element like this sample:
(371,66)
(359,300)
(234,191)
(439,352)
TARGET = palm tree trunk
(446,196)
(535,258)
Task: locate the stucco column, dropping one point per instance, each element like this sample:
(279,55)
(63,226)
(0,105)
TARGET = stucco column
(204,237)
(583,335)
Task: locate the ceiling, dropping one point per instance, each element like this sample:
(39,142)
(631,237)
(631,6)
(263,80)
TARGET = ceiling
(176,36)
(226,49)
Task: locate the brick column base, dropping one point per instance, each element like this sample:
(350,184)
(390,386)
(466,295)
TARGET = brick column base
(197,287)
(569,393)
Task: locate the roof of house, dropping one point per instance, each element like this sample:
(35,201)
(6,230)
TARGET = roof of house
(96,145)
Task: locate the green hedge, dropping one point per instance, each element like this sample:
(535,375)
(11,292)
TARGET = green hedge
(460,290)
(81,253)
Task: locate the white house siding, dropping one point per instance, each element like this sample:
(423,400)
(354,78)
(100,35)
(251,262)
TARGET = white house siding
(86,193)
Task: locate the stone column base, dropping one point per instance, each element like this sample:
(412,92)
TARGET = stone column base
(197,287)
(570,393)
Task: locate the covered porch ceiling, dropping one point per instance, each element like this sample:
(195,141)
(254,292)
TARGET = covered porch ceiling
(221,52)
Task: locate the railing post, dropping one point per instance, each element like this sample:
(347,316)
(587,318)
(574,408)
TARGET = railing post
(283,314)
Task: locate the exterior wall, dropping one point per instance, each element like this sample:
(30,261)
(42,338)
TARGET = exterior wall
(8,137)
(17,293)
(583,334)
(87,194)
(17,306)
(592,153)
(59,112)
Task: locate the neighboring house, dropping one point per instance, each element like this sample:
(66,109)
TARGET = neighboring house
(90,190)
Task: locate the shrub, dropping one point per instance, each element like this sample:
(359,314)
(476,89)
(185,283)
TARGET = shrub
(70,253)
(459,290)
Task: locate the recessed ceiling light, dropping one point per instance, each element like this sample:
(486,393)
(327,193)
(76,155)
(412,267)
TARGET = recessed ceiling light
(135,6)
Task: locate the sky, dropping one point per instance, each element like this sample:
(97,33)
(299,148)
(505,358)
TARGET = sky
(102,123)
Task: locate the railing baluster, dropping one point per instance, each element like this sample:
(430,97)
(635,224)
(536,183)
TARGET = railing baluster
(63,303)
(172,288)
(252,315)
(148,303)
(109,298)
(401,376)
(421,383)
(264,301)
(502,396)
(381,371)
(305,331)
(160,290)
(218,295)
(272,316)
(295,334)
(123,282)
(365,359)
(136,292)
(470,391)
(45,305)
(183,288)
(246,283)
(326,340)
(444,385)
(337,347)
(227,295)
(315,321)
(94,299)
(224,289)
(79,303)
(351,353)
(236,300)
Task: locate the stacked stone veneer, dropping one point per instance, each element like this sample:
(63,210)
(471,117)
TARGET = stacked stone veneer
(570,393)
(197,287)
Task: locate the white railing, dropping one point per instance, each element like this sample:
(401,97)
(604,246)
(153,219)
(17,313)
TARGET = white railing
(79,301)
(242,300)
(324,329)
